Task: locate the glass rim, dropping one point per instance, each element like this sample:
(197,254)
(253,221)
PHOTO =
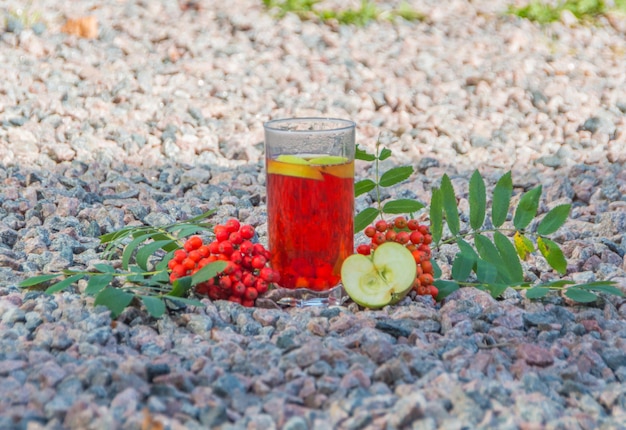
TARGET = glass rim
(273,124)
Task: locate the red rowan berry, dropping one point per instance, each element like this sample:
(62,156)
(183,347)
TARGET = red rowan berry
(400,222)
(364,249)
(402,237)
(381,225)
(180,255)
(247,231)
(194,242)
(413,224)
(370,231)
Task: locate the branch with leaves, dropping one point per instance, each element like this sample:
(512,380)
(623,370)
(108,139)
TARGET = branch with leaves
(145,252)
(490,251)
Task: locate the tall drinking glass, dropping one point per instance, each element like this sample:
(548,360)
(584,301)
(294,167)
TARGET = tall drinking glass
(310,199)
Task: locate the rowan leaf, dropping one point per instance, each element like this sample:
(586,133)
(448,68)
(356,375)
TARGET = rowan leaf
(39,279)
(537,292)
(364,186)
(523,245)
(395,176)
(477,200)
(154,305)
(436,215)
(97,283)
(402,206)
(462,266)
(580,295)
(207,272)
(527,208)
(145,252)
(450,205)
(509,255)
(364,218)
(553,254)
(115,299)
(61,285)
(501,200)
(445,288)
(554,219)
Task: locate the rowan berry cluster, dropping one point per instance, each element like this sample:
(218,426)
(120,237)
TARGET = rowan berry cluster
(246,275)
(416,238)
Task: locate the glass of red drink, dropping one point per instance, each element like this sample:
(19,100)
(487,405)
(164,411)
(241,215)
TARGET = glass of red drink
(310,199)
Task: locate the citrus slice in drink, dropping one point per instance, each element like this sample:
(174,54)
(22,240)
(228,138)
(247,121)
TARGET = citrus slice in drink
(290,165)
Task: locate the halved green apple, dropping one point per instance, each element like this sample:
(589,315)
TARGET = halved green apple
(383,278)
(291,159)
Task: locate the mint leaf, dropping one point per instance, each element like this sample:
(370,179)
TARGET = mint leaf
(395,176)
(364,218)
(402,206)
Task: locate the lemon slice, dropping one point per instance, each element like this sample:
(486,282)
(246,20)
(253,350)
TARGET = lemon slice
(298,170)
(291,159)
(339,170)
(327,160)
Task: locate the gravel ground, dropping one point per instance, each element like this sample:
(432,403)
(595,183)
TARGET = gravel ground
(160,117)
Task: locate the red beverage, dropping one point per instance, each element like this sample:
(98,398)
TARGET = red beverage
(310,204)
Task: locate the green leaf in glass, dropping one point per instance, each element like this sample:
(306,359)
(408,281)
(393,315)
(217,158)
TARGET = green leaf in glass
(115,299)
(501,199)
(364,186)
(554,219)
(527,208)
(477,200)
(553,254)
(402,206)
(450,205)
(365,218)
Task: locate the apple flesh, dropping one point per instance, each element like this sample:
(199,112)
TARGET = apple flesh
(385,277)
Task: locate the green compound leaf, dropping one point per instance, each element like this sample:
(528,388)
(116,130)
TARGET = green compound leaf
(466,248)
(496,290)
(554,219)
(445,288)
(154,305)
(130,249)
(553,254)
(436,269)
(402,206)
(39,279)
(486,272)
(186,301)
(395,176)
(363,155)
(384,154)
(488,252)
(537,292)
(148,250)
(450,205)
(184,231)
(462,266)
(436,215)
(477,200)
(59,286)
(180,286)
(501,200)
(527,208)
(364,218)
(114,299)
(207,272)
(580,295)
(601,286)
(97,283)
(509,255)
(364,186)
(104,268)
(523,245)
